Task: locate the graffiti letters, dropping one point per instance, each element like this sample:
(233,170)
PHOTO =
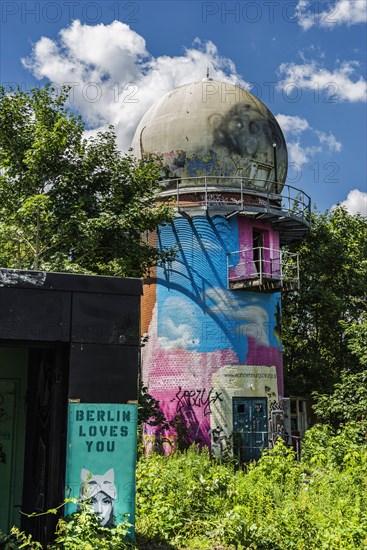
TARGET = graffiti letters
(106,426)
(163,445)
(197,398)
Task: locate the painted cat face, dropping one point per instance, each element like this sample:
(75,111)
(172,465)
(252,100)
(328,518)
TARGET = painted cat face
(93,484)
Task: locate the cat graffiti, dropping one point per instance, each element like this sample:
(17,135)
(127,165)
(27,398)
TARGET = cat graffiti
(100,491)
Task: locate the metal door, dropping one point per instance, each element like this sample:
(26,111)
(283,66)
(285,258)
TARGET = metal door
(250,427)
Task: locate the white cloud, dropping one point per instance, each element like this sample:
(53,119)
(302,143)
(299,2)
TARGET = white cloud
(356,202)
(329,140)
(114,79)
(339,12)
(300,154)
(296,129)
(292,124)
(342,84)
(178,324)
(178,336)
(251,319)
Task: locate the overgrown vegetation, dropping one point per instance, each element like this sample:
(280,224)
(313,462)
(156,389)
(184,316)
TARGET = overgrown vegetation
(189,501)
(278,504)
(79,531)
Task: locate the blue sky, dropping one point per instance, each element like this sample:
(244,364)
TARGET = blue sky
(306,60)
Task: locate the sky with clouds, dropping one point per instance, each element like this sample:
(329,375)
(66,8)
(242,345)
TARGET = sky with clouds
(305,59)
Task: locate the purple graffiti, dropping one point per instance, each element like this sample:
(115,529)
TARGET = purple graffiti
(196,398)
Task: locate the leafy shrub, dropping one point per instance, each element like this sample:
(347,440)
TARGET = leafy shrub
(173,493)
(279,503)
(347,446)
(347,402)
(188,501)
(79,531)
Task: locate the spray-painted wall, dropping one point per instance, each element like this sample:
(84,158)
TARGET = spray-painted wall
(196,326)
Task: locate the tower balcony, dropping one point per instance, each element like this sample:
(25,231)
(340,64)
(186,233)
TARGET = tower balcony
(287,208)
(263,269)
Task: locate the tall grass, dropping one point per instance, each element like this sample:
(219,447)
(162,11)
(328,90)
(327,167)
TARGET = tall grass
(278,504)
(187,501)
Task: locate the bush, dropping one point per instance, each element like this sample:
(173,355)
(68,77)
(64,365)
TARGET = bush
(276,504)
(79,531)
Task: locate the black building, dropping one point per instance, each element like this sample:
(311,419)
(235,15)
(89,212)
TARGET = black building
(63,338)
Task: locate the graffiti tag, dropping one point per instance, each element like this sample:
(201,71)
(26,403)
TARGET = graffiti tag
(197,398)
(163,445)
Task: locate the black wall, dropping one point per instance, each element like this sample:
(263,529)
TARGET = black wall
(97,316)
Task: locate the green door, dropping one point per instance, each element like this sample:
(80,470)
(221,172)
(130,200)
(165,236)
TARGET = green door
(250,427)
(13,384)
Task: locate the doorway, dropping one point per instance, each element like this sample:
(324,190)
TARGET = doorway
(250,427)
(258,252)
(33,386)
(13,389)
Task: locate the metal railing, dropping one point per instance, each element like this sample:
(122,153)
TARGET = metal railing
(262,263)
(237,193)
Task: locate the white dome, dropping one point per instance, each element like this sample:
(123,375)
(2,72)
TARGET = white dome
(213,128)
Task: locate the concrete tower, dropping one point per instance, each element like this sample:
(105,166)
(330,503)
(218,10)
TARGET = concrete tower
(213,356)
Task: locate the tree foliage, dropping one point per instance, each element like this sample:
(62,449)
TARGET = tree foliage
(68,203)
(348,400)
(356,333)
(149,411)
(324,323)
(346,403)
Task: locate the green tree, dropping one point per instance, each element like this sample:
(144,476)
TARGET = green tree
(68,203)
(318,320)
(356,333)
(348,400)
(346,403)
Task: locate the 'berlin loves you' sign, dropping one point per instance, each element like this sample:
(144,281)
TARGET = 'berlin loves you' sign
(101,459)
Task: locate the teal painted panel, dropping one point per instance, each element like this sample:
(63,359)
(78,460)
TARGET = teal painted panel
(101,459)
